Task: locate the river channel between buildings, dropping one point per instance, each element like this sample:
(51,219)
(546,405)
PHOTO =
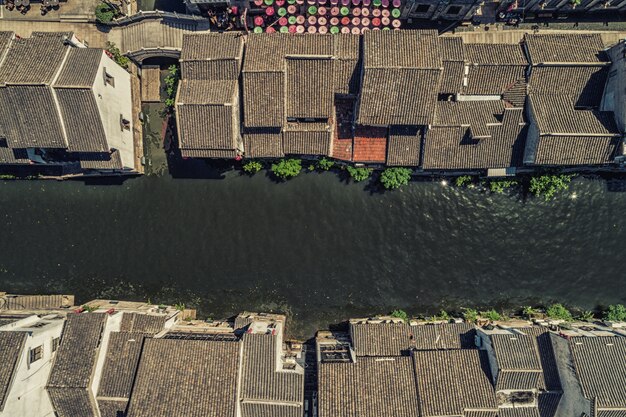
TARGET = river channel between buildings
(318,248)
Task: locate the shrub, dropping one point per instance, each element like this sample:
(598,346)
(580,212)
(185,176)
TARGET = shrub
(463,180)
(311,168)
(252,167)
(616,312)
(470,315)
(558,312)
(359,173)
(104,13)
(287,168)
(401,314)
(443,315)
(586,316)
(171,85)
(115,52)
(529,312)
(393,178)
(548,185)
(325,164)
(179,306)
(491,315)
(500,186)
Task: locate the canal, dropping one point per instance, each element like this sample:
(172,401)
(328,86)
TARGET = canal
(316,247)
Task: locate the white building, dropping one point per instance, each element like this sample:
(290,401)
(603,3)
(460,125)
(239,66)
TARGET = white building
(27,347)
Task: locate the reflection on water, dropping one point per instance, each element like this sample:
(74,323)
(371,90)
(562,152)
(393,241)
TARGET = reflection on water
(318,248)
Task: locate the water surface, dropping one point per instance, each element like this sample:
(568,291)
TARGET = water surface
(315,247)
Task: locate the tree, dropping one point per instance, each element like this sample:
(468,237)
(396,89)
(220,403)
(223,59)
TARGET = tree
(559,312)
(252,167)
(586,316)
(548,185)
(616,312)
(287,168)
(393,178)
(529,312)
(359,173)
(104,13)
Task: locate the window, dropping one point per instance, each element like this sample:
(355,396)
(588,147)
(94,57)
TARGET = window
(422,8)
(124,123)
(55,343)
(35,354)
(108,78)
(453,10)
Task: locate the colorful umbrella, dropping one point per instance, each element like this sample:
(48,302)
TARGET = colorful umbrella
(365,21)
(322,11)
(376,21)
(258,21)
(334,30)
(345,11)
(321,21)
(355,31)
(300,19)
(282,11)
(292,29)
(292,20)
(395,23)
(365,12)
(376,3)
(283,21)
(385,21)
(395,13)
(300,29)
(284,29)
(334,21)
(385,3)
(334,11)
(258,3)
(385,13)
(356,11)
(270,29)
(376,12)
(345,29)
(345,21)
(312,20)
(312,29)
(270,11)
(312,10)
(258,30)
(356,21)
(397,3)
(280,3)
(323,30)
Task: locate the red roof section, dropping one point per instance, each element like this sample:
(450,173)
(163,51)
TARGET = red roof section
(370,144)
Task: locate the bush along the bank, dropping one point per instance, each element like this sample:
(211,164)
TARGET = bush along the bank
(325,164)
(500,186)
(491,315)
(359,173)
(463,180)
(115,52)
(252,167)
(547,186)
(287,168)
(171,85)
(470,315)
(400,314)
(559,312)
(615,312)
(393,178)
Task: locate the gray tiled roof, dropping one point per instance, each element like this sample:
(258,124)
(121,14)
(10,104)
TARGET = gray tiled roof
(493,79)
(450,381)
(610,413)
(25,62)
(13,156)
(40,126)
(207,92)
(546,356)
(516,352)
(270,410)
(495,54)
(75,358)
(548,403)
(72,402)
(195,378)
(206,127)
(263,99)
(261,380)
(565,48)
(102,160)
(404,146)
(34,302)
(112,408)
(480,413)
(455,148)
(477,114)
(81,118)
(307,139)
(80,68)
(398,96)
(452,77)
(309,90)
(401,49)
(5,41)
(263,143)
(519,412)
(370,387)
(122,357)
(451,48)
(381,339)
(576,150)
(211,56)
(600,366)
(444,336)
(11,345)
(142,323)
(208,153)
(519,380)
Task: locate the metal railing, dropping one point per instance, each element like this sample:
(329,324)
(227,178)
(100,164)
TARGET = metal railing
(155,14)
